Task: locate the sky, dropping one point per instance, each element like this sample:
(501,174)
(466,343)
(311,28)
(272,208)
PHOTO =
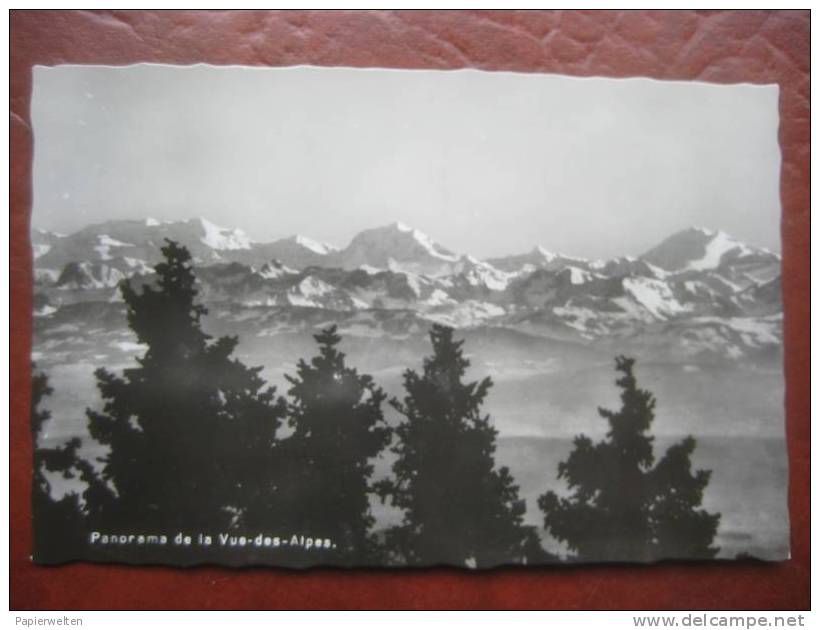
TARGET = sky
(485,163)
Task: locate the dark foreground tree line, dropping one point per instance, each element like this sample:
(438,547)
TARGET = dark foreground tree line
(198,443)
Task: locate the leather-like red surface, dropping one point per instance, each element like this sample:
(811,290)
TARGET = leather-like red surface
(724,47)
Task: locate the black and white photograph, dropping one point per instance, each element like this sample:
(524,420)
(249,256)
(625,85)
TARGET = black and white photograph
(304,317)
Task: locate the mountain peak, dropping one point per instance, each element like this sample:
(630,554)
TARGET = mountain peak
(698,248)
(471,260)
(314,246)
(404,229)
(220,238)
(700,230)
(397,246)
(275,269)
(544,253)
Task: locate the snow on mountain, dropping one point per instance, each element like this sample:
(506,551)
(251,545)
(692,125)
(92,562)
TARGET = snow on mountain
(275,269)
(89,275)
(544,253)
(40,249)
(699,249)
(466,315)
(718,245)
(399,248)
(297,252)
(42,242)
(112,239)
(698,291)
(413,282)
(315,246)
(680,250)
(370,270)
(481,274)
(142,240)
(579,276)
(312,287)
(307,292)
(439,298)
(133,266)
(46,276)
(585,320)
(543,286)
(761,332)
(628,265)
(105,243)
(706,291)
(537,258)
(432,248)
(760,299)
(653,295)
(220,238)
(44,311)
(735,338)
(387,289)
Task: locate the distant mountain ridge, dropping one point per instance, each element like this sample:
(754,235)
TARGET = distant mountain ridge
(699,249)
(697,291)
(395,246)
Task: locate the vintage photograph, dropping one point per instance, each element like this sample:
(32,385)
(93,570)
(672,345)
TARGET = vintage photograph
(343,317)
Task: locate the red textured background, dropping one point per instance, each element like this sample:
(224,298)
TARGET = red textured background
(724,47)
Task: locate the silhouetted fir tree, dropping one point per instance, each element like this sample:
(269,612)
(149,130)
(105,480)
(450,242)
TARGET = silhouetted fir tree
(623,507)
(191,430)
(338,428)
(58,524)
(681,529)
(458,507)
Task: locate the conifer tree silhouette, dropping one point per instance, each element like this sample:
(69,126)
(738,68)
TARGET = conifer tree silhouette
(338,428)
(58,523)
(622,507)
(191,430)
(458,507)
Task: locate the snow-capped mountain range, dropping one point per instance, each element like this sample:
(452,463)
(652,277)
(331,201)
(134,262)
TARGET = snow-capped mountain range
(697,292)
